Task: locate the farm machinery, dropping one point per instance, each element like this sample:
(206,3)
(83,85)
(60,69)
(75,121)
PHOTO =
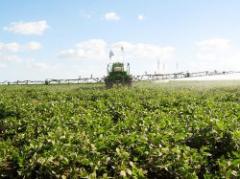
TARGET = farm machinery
(118,75)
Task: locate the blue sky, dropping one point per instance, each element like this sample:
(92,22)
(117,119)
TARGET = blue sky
(67,39)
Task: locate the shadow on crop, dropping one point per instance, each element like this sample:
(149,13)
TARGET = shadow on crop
(9,170)
(4,112)
(218,146)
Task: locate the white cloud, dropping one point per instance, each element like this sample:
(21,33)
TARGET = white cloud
(217,53)
(10,58)
(91,49)
(3,65)
(33,64)
(9,53)
(33,46)
(15,47)
(145,51)
(214,44)
(28,28)
(112,16)
(140,17)
(92,56)
(10,47)
(98,49)
(14,67)
(213,49)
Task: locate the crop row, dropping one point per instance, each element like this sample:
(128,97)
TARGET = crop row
(49,132)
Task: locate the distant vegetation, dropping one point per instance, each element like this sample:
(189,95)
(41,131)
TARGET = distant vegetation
(74,131)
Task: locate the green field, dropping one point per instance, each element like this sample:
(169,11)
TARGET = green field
(172,130)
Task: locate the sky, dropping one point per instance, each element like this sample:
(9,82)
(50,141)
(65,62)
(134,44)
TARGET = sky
(72,38)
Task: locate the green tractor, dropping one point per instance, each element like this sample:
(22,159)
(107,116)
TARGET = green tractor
(118,75)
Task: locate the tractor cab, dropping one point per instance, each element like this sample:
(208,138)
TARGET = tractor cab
(118,67)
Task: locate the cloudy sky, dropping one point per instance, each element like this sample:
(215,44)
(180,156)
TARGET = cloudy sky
(72,38)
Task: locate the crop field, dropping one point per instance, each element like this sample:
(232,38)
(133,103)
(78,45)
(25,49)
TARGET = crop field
(172,130)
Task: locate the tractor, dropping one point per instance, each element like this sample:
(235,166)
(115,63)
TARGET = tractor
(118,75)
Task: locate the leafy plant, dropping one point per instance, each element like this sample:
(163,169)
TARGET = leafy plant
(74,131)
